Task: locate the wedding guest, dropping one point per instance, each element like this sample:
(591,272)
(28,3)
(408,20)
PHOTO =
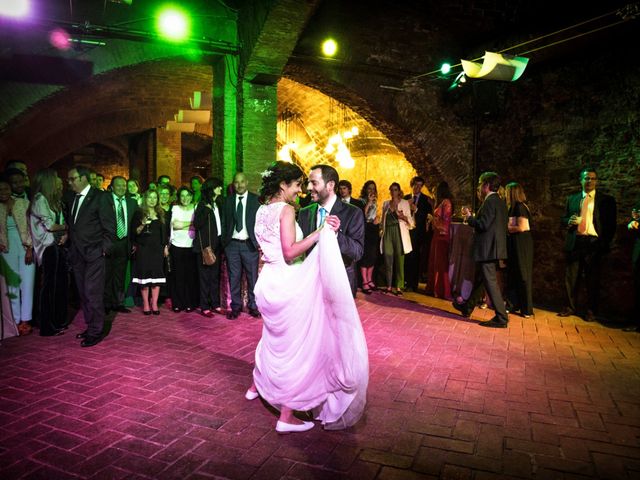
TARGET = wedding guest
(99,181)
(164,180)
(240,244)
(92,229)
(17,251)
(519,252)
(312,355)
(164,197)
(420,236)
(397,221)
(438,277)
(196,186)
(489,247)
(18,181)
(208,234)
(184,285)
(49,233)
(344,192)
(590,220)
(133,190)
(369,197)
(150,240)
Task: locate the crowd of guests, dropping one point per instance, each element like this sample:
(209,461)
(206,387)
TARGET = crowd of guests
(106,240)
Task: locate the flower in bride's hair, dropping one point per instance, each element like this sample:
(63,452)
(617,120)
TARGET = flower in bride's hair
(266,173)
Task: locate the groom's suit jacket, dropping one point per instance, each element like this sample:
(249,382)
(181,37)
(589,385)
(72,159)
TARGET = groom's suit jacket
(350,234)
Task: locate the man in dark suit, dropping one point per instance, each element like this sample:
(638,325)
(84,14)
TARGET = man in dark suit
(344,191)
(92,229)
(489,247)
(634,230)
(416,261)
(323,180)
(240,244)
(117,257)
(590,219)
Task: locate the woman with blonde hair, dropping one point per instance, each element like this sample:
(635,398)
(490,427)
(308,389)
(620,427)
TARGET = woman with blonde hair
(49,233)
(519,251)
(395,243)
(150,237)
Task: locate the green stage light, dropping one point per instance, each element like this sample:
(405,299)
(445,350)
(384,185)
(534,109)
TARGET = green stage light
(173,24)
(445,68)
(329,47)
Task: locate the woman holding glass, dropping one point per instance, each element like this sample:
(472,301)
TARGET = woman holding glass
(395,243)
(369,197)
(184,290)
(520,252)
(149,231)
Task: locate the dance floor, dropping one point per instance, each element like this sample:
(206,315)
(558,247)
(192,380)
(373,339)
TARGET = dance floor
(162,398)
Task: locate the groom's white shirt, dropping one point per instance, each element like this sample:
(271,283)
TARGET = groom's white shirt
(327,206)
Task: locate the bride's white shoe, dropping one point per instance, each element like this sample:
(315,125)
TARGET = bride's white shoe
(251,395)
(282,427)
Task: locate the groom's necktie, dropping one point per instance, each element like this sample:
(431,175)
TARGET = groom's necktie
(239,214)
(323,214)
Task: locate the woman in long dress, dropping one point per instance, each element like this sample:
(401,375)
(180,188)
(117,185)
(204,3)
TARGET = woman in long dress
(520,252)
(312,354)
(48,232)
(438,283)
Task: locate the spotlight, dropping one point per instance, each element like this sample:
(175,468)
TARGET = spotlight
(60,39)
(329,47)
(173,24)
(445,68)
(15,8)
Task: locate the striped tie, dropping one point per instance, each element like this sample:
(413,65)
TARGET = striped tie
(121,228)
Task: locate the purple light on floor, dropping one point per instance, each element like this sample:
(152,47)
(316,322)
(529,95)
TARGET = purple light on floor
(60,39)
(15,8)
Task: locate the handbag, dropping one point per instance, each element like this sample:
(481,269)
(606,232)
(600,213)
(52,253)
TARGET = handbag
(208,257)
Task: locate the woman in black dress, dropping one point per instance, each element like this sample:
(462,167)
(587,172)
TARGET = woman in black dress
(520,252)
(369,197)
(208,234)
(150,240)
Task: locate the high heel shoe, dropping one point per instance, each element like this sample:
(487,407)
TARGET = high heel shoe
(282,427)
(155,312)
(147,312)
(251,395)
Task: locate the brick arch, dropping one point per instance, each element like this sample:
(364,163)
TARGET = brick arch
(118,102)
(413,120)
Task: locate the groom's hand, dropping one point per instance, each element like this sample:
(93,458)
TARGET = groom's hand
(333,221)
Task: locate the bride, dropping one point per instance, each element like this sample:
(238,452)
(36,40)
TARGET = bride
(312,355)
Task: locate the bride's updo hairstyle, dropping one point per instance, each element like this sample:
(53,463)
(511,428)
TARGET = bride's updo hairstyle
(275,174)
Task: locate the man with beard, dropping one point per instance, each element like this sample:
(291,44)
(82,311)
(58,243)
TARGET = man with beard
(326,207)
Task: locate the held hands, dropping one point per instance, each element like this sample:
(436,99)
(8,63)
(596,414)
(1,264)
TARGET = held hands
(333,222)
(633,225)
(466,212)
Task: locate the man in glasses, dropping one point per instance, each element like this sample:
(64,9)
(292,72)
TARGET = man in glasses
(590,220)
(92,230)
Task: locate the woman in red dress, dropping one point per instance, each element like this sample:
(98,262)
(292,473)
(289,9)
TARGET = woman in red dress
(438,274)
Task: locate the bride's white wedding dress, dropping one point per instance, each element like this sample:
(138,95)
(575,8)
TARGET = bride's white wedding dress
(313,354)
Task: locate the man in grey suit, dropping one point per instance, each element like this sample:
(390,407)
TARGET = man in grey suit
(92,229)
(240,244)
(489,247)
(323,182)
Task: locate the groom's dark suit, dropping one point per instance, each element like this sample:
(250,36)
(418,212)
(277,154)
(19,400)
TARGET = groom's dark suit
(350,234)
(91,235)
(489,246)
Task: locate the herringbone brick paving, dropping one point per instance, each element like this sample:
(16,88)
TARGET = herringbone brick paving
(162,398)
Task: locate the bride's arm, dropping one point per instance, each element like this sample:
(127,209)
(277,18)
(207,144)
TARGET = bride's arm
(290,248)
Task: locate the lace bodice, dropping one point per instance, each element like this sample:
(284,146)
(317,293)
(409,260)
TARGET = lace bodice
(267,230)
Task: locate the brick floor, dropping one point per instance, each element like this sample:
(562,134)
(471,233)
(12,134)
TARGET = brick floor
(162,398)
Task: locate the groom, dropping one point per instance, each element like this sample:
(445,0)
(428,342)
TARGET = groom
(323,182)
